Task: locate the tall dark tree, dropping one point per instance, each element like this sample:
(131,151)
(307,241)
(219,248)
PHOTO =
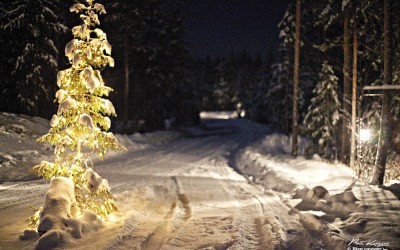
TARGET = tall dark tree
(385,130)
(279,95)
(322,120)
(32,26)
(346,83)
(354,97)
(121,13)
(149,39)
(8,49)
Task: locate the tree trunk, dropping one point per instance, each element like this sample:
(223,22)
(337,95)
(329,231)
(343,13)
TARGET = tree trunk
(385,130)
(36,107)
(296,82)
(36,100)
(354,99)
(346,88)
(126,86)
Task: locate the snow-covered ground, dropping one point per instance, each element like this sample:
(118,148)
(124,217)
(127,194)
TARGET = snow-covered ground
(228,184)
(18,146)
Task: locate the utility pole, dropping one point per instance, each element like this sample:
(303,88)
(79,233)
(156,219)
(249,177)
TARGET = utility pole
(295,125)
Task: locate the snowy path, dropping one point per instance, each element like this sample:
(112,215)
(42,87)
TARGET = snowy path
(179,195)
(195,199)
(177,192)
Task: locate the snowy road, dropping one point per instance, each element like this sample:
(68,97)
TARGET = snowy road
(182,194)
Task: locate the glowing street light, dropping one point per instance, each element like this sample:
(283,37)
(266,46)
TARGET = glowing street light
(365,134)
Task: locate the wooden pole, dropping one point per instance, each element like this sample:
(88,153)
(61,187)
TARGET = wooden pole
(354,99)
(295,114)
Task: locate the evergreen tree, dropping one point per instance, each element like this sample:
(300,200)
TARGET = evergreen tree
(32,26)
(7,50)
(279,95)
(321,121)
(127,23)
(80,126)
(150,36)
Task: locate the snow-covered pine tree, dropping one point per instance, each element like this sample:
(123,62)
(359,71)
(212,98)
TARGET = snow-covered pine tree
(280,92)
(33,25)
(80,126)
(7,85)
(321,121)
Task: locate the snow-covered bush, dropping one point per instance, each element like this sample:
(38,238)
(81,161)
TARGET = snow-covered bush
(80,126)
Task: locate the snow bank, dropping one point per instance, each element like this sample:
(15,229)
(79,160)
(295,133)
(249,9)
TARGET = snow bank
(270,163)
(332,205)
(19,150)
(281,144)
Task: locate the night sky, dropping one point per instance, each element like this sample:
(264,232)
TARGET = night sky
(219,27)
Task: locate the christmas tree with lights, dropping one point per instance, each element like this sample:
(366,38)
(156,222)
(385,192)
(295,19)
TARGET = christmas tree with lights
(79,129)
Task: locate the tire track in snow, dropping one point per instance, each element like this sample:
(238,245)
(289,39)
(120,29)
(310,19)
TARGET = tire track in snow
(270,217)
(28,192)
(228,223)
(173,221)
(247,208)
(185,201)
(152,223)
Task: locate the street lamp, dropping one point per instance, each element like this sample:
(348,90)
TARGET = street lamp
(365,135)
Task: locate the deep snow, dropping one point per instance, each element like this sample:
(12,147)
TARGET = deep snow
(229,184)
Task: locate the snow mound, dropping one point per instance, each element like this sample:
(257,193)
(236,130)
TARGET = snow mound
(339,205)
(344,219)
(60,203)
(59,221)
(93,180)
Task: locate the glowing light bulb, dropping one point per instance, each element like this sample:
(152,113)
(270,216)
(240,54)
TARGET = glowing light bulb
(365,134)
